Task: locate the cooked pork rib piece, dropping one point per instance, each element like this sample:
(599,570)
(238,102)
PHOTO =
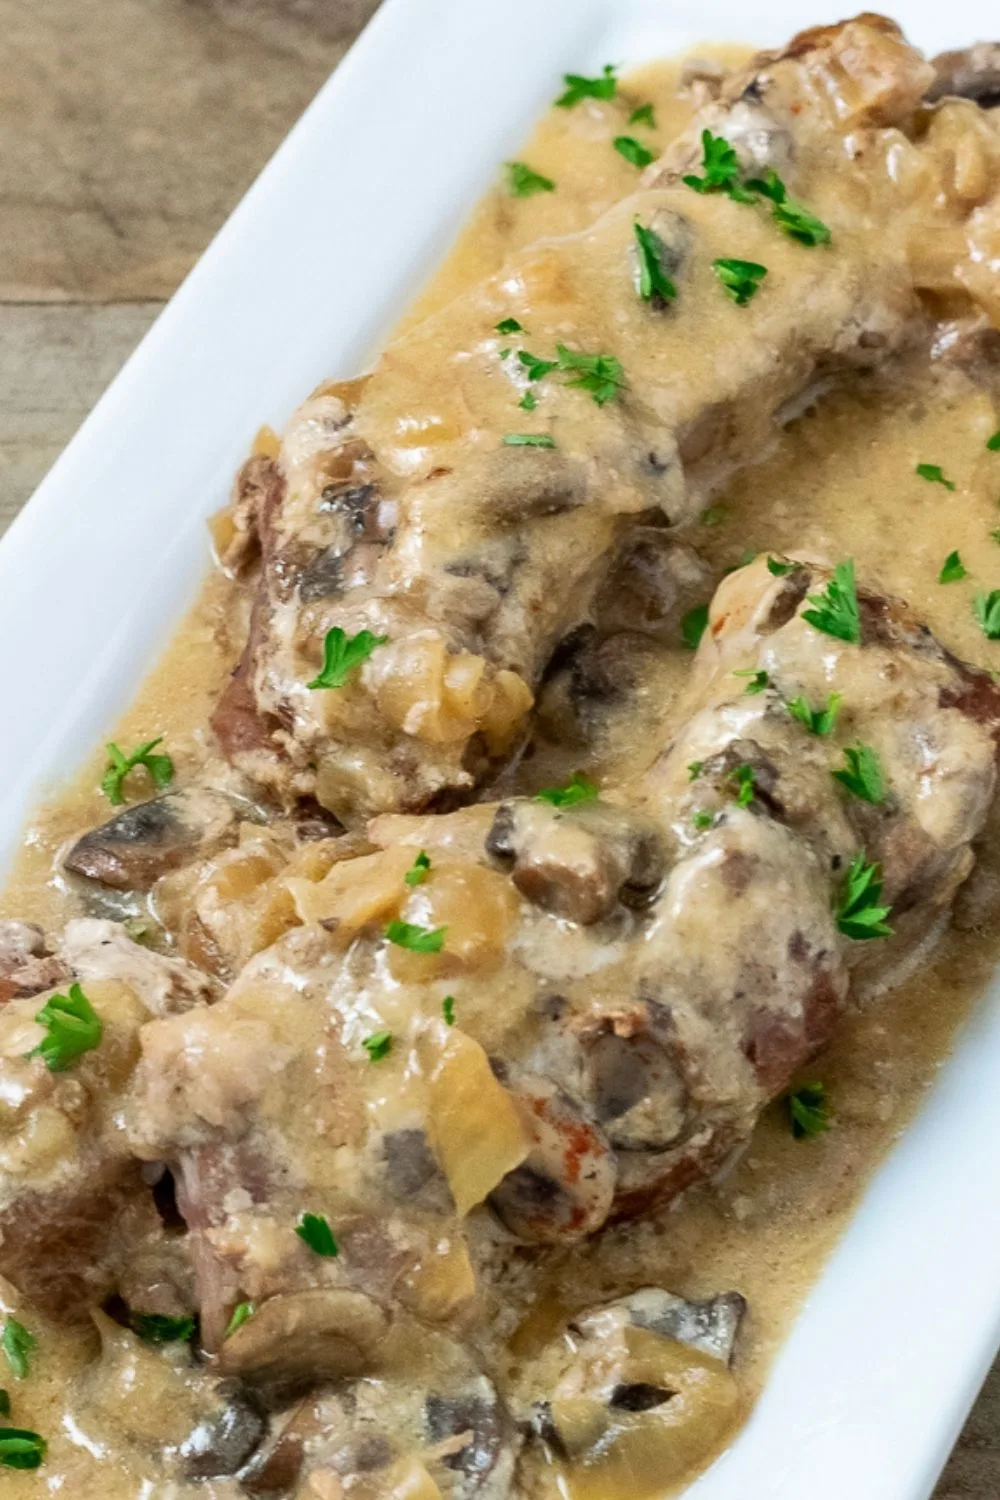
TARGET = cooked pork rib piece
(631,979)
(396,506)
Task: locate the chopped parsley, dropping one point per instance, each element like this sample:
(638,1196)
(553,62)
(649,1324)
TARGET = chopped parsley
(759,681)
(72,1026)
(934,474)
(448,1009)
(528,440)
(996,535)
(643,115)
(509,325)
(578,87)
(713,516)
(859,913)
(695,768)
(17,1343)
(862,774)
(378,1045)
(808,1110)
(993,443)
(633,151)
(952,569)
(779,569)
(342,654)
(693,626)
(160,768)
(21,1449)
(796,221)
(818,721)
(523,181)
(577,789)
(242,1313)
(835,611)
(600,375)
(528,401)
(416,939)
(986,608)
(742,780)
(156,1328)
(702,820)
(314,1231)
(417,873)
(654,283)
(721,167)
(536,368)
(739,278)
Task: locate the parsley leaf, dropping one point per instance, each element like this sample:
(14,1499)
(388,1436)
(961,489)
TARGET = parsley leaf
(73,1027)
(536,368)
(808,1110)
(702,820)
(740,278)
(523,181)
(578,87)
(993,443)
(952,569)
(21,1449)
(986,608)
(859,914)
(633,151)
(509,325)
(758,681)
(242,1313)
(800,224)
(654,283)
(695,768)
(721,167)
(160,768)
(934,474)
(17,1344)
(817,720)
(577,789)
(416,939)
(693,626)
(155,1328)
(600,375)
(448,1009)
(528,440)
(779,569)
(742,779)
(835,611)
(643,116)
(315,1232)
(713,516)
(528,401)
(417,873)
(862,775)
(996,535)
(378,1045)
(342,654)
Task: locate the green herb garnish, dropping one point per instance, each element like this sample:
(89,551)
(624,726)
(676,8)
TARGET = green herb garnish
(742,779)
(702,820)
(695,768)
(795,220)
(952,569)
(416,939)
(739,278)
(73,1027)
(4,1403)
(342,654)
(713,516)
(528,401)
(577,789)
(417,873)
(509,325)
(993,443)
(818,721)
(523,181)
(808,1110)
(835,611)
(160,768)
(633,151)
(934,474)
(578,87)
(242,1313)
(448,1009)
(779,569)
(156,1328)
(643,115)
(986,608)
(528,440)
(21,1449)
(862,774)
(17,1344)
(378,1045)
(315,1232)
(654,283)
(859,914)
(600,375)
(693,626)
(721,167)
(536,368)
(758,681)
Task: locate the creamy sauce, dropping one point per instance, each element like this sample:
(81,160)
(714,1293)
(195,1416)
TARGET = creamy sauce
(842,482)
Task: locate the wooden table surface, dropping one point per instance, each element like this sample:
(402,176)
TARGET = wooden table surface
(128,131)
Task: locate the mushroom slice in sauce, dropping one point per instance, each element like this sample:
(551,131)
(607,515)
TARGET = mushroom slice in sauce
(970,73)
(134,848)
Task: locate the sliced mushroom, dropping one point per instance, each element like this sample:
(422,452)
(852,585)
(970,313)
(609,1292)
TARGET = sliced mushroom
(564,1188)
(133,849)
(970,73)
(297,1339)
(577,862)
(628,1077)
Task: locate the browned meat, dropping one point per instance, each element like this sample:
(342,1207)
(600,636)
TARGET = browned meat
(26,967)
(400,510)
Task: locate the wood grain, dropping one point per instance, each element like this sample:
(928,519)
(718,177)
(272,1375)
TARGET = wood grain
(129,130)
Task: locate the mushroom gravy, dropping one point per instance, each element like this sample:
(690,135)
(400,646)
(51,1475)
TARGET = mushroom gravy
(841,482)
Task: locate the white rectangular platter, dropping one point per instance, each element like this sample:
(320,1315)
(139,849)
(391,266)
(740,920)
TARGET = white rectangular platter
(304,280)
